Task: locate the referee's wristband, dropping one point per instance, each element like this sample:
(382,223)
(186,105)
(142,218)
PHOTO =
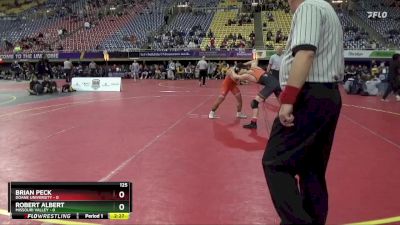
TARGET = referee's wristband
(289,95)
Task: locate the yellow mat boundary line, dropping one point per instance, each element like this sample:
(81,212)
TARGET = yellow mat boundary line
(51,221)
(379,221)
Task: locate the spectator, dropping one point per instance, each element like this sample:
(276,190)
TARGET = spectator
(93,67)
(145,72)
(375,71)
(178,64)
(189,71)
(269,35)
(212,43)
(252,34)
(35,88)
(210,34)
(172,69)
(179,73)
(49,86)
(87,25)
(43,67)
(157,71)
(278,37)
(270,17)
(68,70)
(16,70)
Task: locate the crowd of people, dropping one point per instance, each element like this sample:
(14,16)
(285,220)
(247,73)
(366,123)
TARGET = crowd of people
(370,80)
(233,40)
(175,70)
(279,37)
(268,5)
(178,39)
(360,79)
(82,16)
(243,18)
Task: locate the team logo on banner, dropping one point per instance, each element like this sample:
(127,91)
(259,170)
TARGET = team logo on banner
(95,84)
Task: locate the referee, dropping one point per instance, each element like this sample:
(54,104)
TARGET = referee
(202,65)
(301,138)
(275,63)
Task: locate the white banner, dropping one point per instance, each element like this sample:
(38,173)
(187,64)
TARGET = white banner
(357,54)
(96,83)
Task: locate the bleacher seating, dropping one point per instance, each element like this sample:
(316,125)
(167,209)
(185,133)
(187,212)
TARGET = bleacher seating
(88,39)
(230,4)
(184,22)
(354,37)
(141,21)
(8,7)
(149,21)
(282,21)
(139,27)
(204,3)
(45,20)
(383,26)
(221,30)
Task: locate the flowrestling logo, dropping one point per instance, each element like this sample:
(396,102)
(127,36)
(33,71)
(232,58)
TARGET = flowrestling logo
(377,15)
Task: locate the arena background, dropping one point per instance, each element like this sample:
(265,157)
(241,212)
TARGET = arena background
(155,132)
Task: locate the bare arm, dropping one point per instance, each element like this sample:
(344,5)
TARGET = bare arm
(300,68)
(244,76)
(252,63)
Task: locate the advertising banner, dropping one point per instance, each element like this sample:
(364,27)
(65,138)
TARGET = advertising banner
(96,83)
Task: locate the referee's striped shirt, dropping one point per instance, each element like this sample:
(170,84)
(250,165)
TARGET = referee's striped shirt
(315,26)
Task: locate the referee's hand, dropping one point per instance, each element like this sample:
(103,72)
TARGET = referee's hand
(285,115)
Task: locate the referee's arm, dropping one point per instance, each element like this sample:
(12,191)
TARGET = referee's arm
(300,68)
(304,45)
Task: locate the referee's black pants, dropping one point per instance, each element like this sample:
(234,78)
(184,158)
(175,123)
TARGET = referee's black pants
(303,150)
(203,76)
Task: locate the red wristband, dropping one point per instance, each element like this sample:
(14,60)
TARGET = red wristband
(289,95)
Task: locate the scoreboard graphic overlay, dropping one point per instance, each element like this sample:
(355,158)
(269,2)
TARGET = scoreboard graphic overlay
(70,200)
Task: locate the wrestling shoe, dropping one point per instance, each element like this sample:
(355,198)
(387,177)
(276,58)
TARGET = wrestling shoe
(241,115)
(212,115)
(251,125)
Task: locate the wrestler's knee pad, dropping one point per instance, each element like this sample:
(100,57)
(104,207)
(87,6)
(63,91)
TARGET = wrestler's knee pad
(254,104)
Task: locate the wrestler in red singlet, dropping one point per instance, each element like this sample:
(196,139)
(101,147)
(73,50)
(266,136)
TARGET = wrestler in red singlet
(228,85)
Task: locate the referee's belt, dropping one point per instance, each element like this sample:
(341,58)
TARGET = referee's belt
(333,85)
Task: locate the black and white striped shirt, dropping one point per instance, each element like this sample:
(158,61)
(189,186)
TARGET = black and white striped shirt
(315,26)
